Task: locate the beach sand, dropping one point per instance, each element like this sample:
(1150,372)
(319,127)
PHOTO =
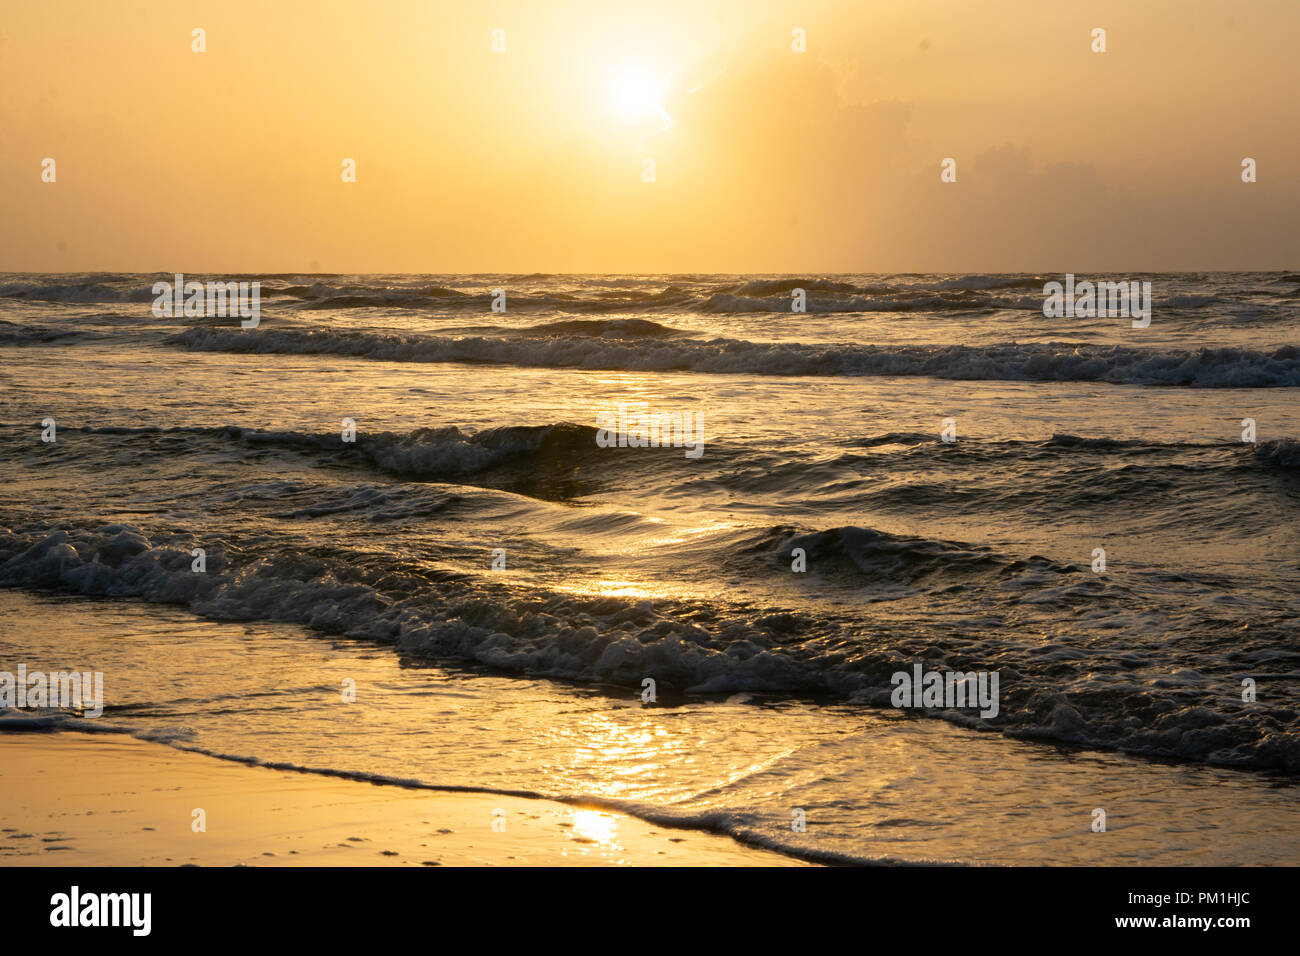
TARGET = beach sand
(96,800)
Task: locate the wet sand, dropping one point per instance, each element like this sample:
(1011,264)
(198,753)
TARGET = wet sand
(97,800)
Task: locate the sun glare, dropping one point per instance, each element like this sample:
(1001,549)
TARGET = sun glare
(635,92)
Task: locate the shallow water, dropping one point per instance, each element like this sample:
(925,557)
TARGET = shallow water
(873,786)
(477,431)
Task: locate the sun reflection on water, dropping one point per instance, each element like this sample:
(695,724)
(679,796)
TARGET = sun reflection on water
(595,825)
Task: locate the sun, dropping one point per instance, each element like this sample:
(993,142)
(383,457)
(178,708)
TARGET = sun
(635,92)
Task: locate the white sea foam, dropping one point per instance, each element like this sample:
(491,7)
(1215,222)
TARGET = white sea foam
(1204,368)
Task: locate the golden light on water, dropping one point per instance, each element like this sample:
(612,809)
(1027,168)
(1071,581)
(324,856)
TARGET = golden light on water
(623,587)
(596,825)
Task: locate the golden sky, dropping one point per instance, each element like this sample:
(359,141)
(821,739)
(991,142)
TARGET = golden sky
(531,159)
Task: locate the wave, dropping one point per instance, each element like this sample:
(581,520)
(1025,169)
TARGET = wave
(320,291)
(602,328)
(1284,452)
(983,282)
(559,462)
(900,559)
(894,438)
(885,300)
(394,300)
(1082,690)
(516,301)
(445,452)
(704,294)
(83,291)
(786,286)
(552,462)
(957,297)
(11,333)
(1052,361)
(1101,443)
(1059,441)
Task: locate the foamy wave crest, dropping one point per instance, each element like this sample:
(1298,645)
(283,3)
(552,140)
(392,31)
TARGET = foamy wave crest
(1057,689)
(1204,368)
(74,291)
(438,615)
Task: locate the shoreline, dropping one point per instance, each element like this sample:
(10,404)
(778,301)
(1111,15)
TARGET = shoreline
(77,799)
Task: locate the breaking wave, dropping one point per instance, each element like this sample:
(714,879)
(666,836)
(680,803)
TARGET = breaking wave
(1061,690)
(1052,361)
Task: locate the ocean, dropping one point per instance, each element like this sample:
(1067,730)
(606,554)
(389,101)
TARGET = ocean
(410,489)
